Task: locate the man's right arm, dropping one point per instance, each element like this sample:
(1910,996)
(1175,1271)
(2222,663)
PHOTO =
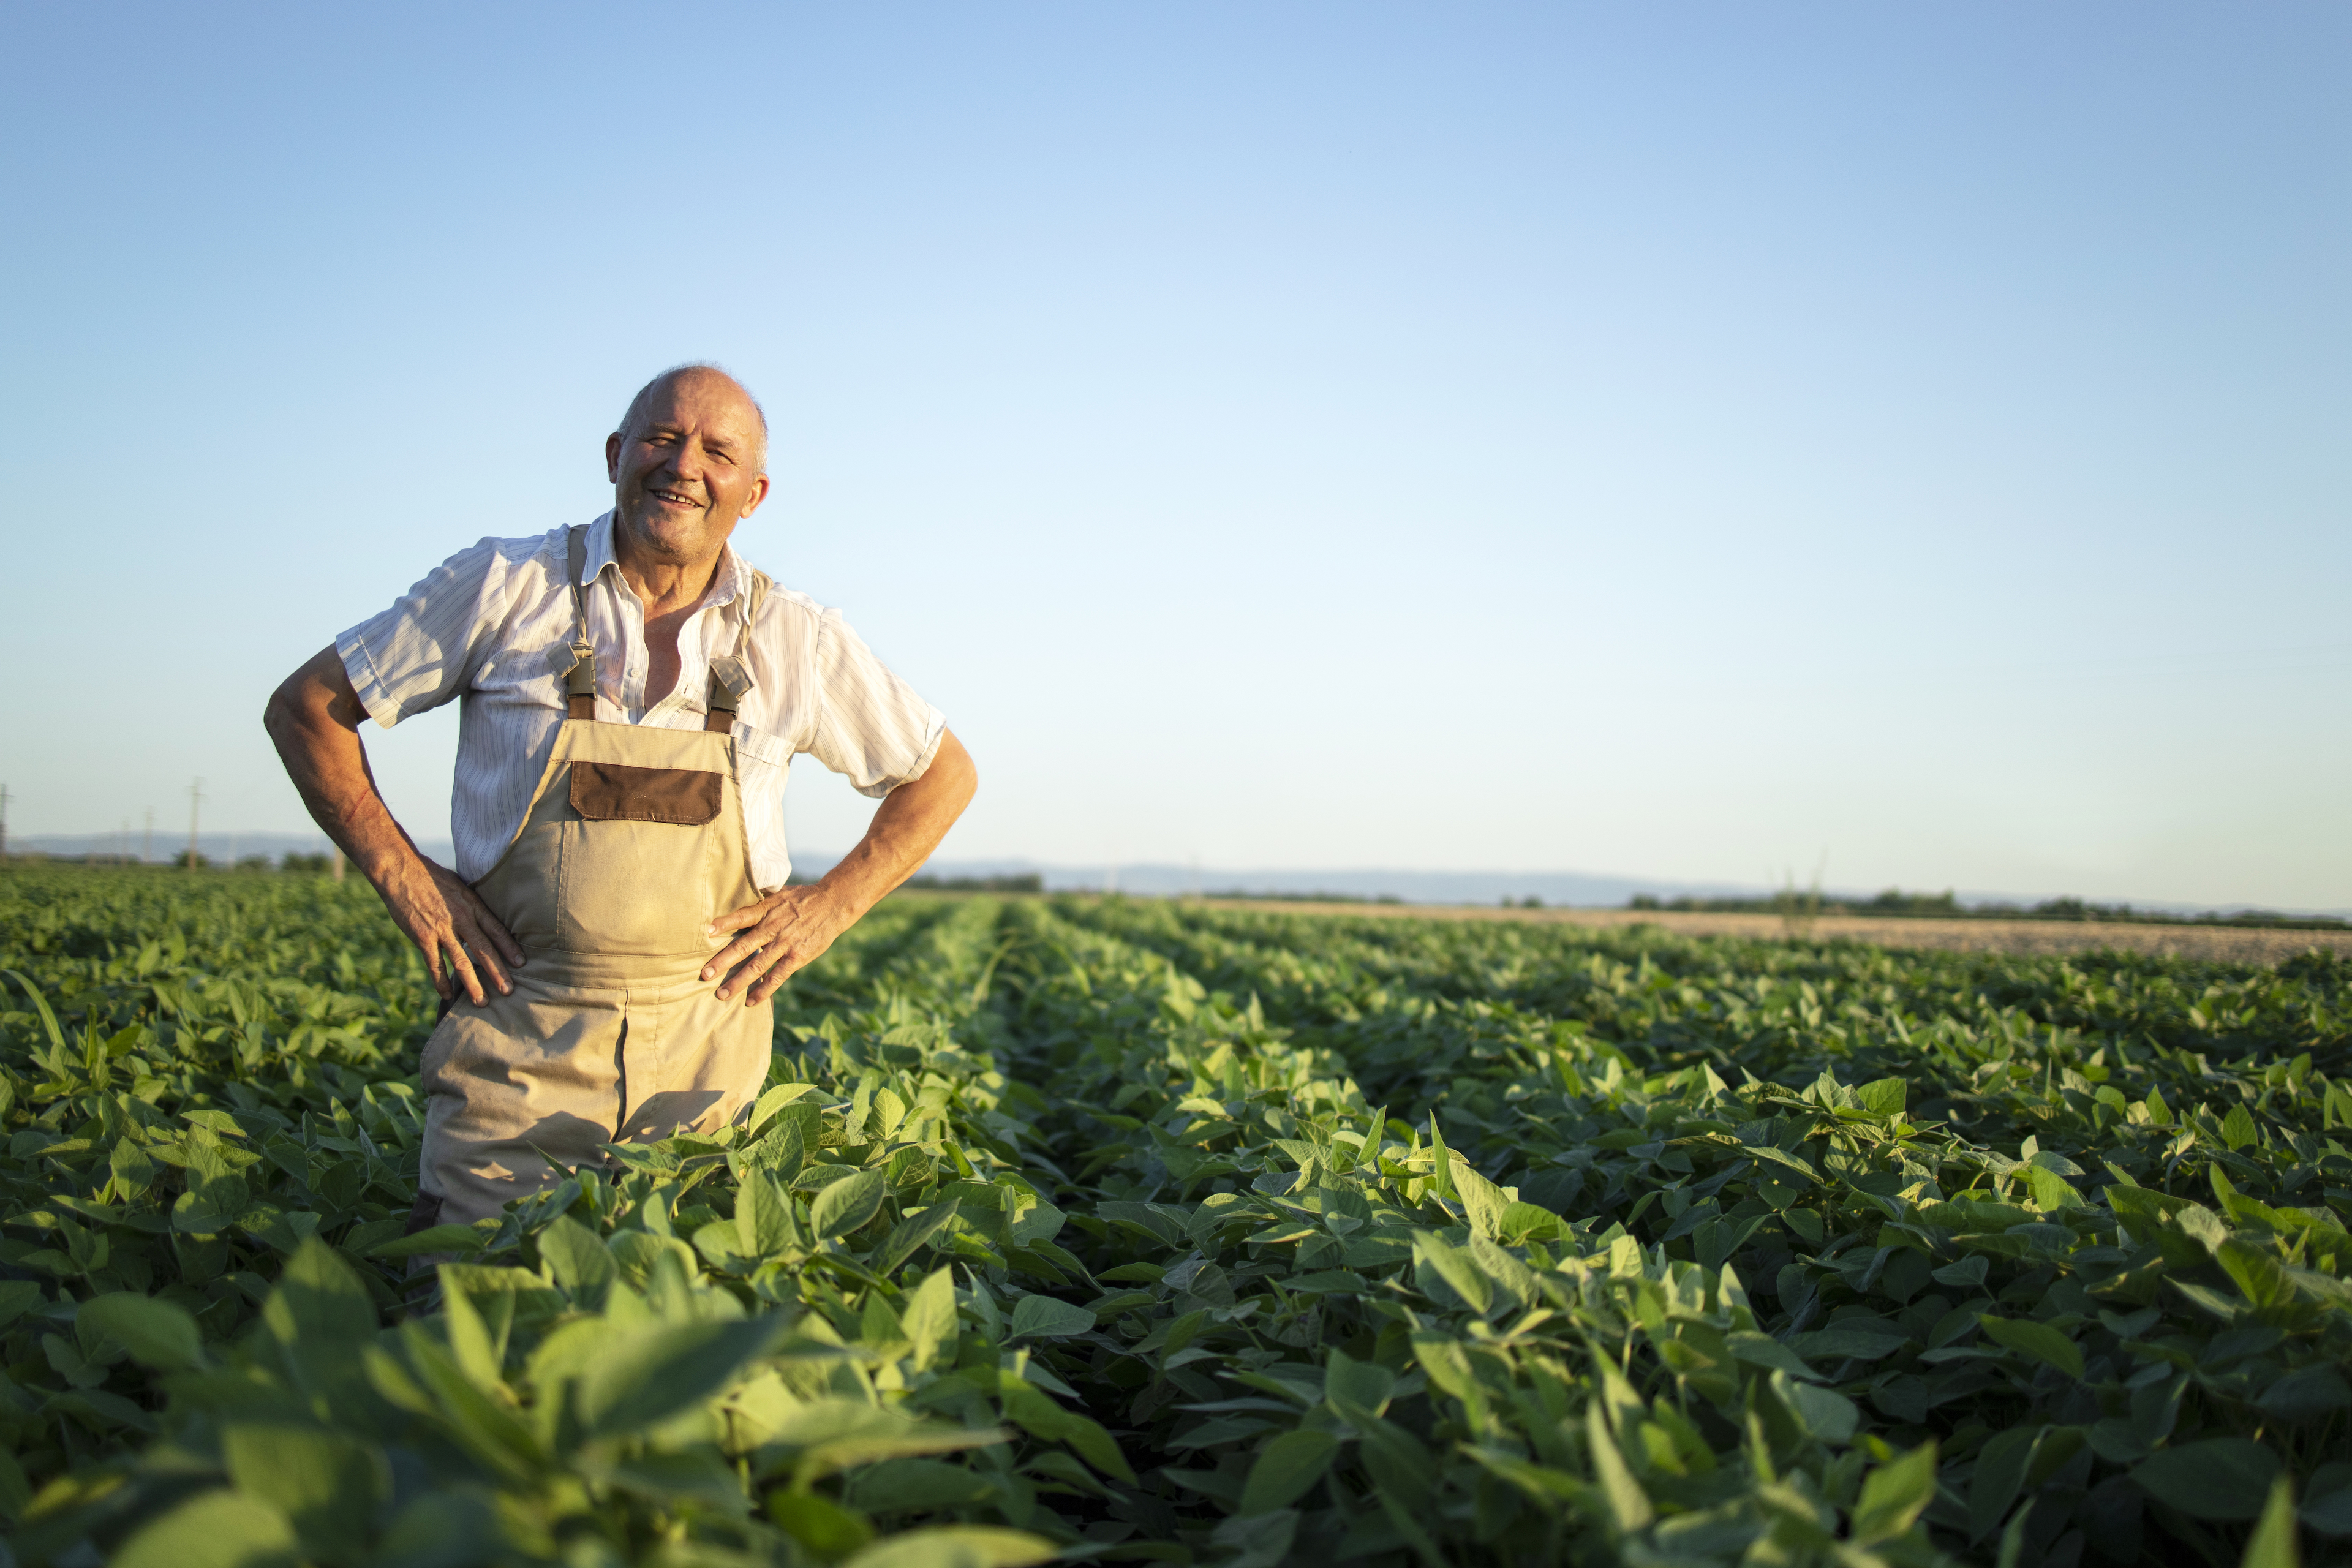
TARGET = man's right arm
(314,718)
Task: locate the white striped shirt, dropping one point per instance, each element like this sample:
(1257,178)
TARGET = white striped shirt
(492,626)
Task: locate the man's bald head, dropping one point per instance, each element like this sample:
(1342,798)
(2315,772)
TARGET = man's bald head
(697,370)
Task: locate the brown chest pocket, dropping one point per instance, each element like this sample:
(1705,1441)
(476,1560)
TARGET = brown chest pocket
(613,792)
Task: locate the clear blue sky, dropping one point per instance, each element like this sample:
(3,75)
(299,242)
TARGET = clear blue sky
(1688,440)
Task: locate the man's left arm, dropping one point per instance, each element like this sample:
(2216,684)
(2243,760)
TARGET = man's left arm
(790,929)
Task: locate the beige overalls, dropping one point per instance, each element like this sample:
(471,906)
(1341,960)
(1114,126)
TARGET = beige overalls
(633,845)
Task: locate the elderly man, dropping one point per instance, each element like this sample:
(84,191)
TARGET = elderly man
(632,693)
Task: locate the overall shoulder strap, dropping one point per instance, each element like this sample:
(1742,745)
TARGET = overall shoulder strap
(730,679)
(580,683)
(761,583)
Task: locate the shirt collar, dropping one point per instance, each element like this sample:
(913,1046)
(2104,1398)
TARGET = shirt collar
(731,583)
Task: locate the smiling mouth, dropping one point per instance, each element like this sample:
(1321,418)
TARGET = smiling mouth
(674,498)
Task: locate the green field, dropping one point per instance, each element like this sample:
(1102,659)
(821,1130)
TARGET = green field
(1125,1231)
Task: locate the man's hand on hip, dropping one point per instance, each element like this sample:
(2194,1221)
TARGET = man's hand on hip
(443,916)
(313,717)
(777,937)
(790,929)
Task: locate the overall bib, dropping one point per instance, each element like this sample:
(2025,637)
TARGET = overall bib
(633,845)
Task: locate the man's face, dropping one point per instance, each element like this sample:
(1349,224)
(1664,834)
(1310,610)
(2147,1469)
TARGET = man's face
(687,468)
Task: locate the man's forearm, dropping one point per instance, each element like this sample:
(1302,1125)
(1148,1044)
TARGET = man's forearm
(313,719)
(907,827)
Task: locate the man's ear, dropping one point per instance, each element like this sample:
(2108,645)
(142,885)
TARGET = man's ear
(758,494)
(612,458)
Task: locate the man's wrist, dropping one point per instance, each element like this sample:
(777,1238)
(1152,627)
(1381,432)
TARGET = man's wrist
(383,857)
(842,895)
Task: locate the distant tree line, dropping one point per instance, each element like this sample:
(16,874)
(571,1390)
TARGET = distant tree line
(1024,883)
(1317,898)
(1946,906)
(305,865)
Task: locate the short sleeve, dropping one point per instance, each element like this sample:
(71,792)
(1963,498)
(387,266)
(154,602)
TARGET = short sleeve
(421,652)
(871,728)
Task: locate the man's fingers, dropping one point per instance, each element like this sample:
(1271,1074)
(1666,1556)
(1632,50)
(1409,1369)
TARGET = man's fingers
(735,919)
(467,910)
(496,938)
(431,949)
(743,963)
(473,937)
(464,967)
(764,979)
(774,948)
(486,960)
(727,958)
(788,960)
(766,937)
(779,936)
(773,980)
(793,963)
(457,972)
(500,939)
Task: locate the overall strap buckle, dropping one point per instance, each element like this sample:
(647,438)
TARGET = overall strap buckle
(730,683)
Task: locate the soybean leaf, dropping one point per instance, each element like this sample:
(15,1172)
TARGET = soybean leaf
(845,1205)
(2038,1341)
(328,1484)
(655,1373)
(823,1526)
(320,1299)
(1629,1506)
(766,1223)
(1366,1384)
(908,1236)
(1285,1468)
(436,1239)
(1895,1495)
(1045,1317)
(2217,1478)
(773,1101)
(2273,1544)
(578,1259)
(1883,1096)
(214,1530)
(955,1546)
(930,1319)
(159,1334)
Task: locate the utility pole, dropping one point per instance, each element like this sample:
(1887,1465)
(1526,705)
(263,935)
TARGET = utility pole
(147,844)
(195,798)
(3,821)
